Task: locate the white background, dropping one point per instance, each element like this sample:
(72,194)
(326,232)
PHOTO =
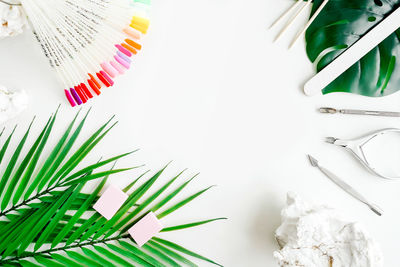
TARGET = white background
(213,93)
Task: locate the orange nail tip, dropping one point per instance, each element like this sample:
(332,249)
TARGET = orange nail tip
(94,87)
(95,81)
(133,44)
(131,49)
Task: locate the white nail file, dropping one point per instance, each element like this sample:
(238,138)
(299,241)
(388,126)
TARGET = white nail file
(359,49)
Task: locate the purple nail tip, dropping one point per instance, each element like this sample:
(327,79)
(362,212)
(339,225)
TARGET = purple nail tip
(122,62)
(124,57)
(76,96)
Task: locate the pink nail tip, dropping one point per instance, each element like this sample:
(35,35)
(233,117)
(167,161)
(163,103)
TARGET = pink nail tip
(105,75)
(110,202)
(123,50)
(145,229)
(118,67)
(109,69)
(132,32)
(122,62)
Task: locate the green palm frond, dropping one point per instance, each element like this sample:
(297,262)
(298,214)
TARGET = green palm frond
(46,218)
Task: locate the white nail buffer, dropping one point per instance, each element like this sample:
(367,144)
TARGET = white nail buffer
(359,49)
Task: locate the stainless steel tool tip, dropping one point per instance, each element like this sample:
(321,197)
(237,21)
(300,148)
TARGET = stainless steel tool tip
(313,161)
(378,211)
(330,140)
(328,110)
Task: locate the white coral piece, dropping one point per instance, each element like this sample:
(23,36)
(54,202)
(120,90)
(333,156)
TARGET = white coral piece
(316,236)
(12,20)
(11,103)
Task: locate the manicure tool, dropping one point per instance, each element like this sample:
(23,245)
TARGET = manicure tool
(299,6)
(355,146)
(349,57)
(359,112)
(314,16)
(346,187)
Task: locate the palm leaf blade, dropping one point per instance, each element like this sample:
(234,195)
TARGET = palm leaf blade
(190,225)
(64,260)
(182,203)
(51,165)
(6,144)
(94,256)
(172,254)
(8,171)
(141,254)
(112,256)
(57,217)
(161,255)
(78,214)
(81,258)
(183,250)
(25,179)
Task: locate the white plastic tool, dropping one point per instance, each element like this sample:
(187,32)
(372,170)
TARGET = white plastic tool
(375,36)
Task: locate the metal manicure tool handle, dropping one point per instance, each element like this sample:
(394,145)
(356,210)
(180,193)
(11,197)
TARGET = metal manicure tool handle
(355,147)
(359,112)
(346,187)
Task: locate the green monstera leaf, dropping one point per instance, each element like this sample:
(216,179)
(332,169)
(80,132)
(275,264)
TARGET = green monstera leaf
(340,24)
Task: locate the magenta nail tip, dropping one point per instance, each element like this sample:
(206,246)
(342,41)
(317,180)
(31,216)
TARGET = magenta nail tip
(70,99)
(123,50)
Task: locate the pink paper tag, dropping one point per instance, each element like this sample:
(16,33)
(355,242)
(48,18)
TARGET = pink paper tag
(110,202)
(145,229)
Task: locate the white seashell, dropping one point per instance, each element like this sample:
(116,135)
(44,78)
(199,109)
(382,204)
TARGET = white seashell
(317,236)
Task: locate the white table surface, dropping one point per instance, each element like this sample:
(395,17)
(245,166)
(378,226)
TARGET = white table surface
(211,92)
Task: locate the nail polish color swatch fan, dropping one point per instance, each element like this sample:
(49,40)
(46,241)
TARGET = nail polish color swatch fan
(88,42)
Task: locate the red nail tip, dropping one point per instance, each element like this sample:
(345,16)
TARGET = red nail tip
(103,80)
(105,75)
(83,93)
(94,87)
(78,89)
(86,90)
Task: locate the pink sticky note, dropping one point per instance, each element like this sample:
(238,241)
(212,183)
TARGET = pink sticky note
(145,229)
(110,202)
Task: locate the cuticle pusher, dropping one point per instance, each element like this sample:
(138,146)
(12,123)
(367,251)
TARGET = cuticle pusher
(359,112)
(346,187)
